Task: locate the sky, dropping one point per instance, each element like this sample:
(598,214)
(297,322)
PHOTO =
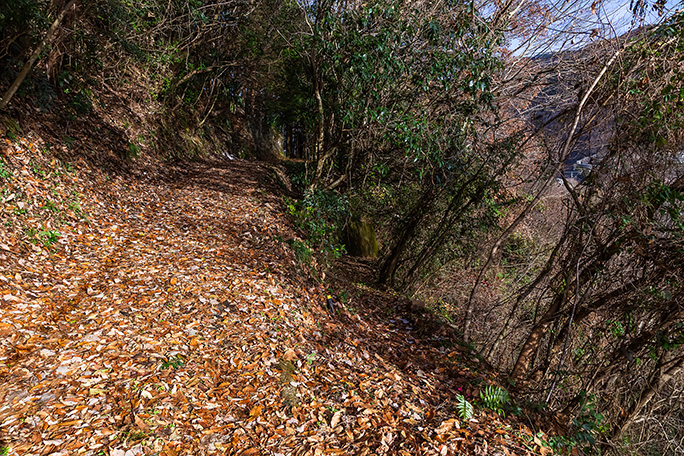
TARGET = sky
(577,23)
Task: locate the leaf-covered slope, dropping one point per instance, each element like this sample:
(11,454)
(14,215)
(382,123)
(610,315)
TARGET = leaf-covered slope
(163,314)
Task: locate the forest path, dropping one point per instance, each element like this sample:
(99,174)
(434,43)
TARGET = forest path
(161,326)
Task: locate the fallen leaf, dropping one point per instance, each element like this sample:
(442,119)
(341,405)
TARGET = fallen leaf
(141,424)
(250,452)
(335,419)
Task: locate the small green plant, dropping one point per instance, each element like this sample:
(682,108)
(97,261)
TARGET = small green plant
(48,237)
(588,423)
(176,362)
(42,236)
(37,170)
(302,252)
(561,443)
(465,408)
(4,450)
(50,206)
(133,150)
(75,207)
(4,173)
(311,357)
(495,398)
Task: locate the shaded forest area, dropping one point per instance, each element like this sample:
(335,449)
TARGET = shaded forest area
(515,168)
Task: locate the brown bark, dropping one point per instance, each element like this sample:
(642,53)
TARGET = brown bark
(524,294)
(582,278)
(390,265)
(534,339)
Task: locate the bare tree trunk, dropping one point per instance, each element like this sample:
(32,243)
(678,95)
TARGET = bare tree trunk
(34,56)
(533,340)
(523,295)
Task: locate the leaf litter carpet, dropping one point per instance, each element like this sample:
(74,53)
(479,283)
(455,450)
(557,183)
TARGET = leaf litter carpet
(174,320)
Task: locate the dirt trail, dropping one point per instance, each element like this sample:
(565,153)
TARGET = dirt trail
(162,327)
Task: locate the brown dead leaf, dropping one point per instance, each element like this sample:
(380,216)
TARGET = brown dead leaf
(250,452)
(545,451)
(141,424)
(290,355)
(335,420)
(69,423)
(170,451)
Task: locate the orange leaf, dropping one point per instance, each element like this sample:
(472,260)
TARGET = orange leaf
(69,423)
(256,411)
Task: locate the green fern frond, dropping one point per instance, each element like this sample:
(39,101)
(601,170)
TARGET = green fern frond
(494,398)
(465,408)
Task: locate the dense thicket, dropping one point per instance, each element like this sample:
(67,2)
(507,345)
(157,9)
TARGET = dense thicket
(414,117)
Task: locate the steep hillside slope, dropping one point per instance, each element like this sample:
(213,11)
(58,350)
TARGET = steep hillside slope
(163,312)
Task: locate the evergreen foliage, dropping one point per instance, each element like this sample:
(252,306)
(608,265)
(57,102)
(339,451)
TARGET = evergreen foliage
(465,408)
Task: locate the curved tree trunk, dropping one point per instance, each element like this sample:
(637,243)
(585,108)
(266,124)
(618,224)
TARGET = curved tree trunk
(534,339)
(391,263)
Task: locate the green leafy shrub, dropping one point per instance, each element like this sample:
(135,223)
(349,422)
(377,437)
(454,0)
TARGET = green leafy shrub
(321,215)
(42,236)
(588,423)
(302,251)
(133,150)
(176,362)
